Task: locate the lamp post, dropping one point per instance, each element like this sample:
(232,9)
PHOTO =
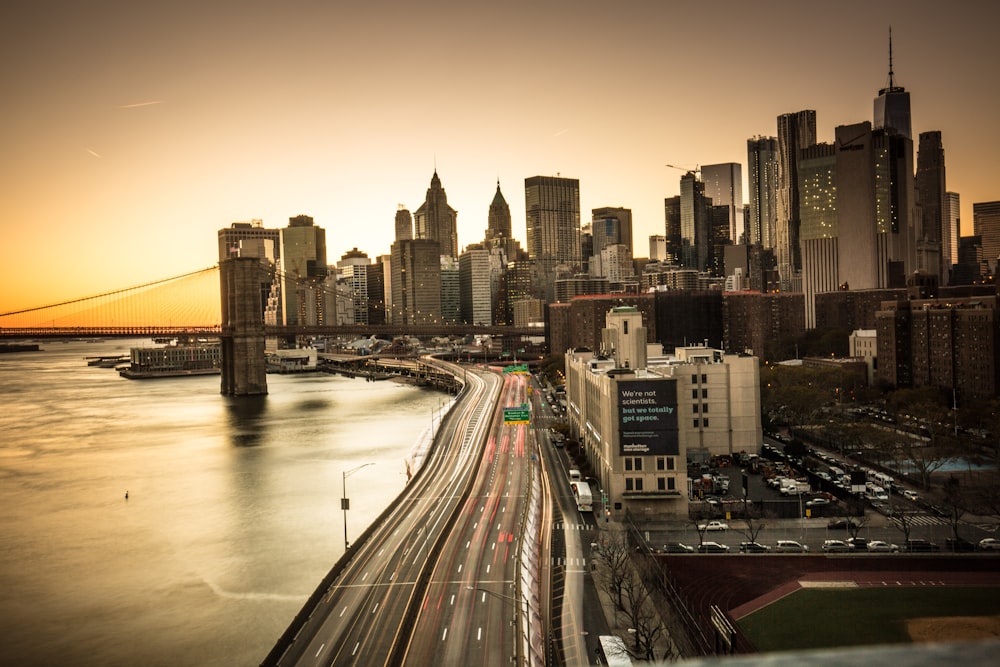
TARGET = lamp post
(517,613)
(345,503)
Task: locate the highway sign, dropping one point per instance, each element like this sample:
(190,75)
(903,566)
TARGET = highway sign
(520,415)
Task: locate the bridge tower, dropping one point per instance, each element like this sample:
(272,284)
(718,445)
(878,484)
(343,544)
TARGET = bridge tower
(243,363)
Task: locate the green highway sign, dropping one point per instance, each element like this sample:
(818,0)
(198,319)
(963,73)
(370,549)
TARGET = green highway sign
(516,368)
(520,415)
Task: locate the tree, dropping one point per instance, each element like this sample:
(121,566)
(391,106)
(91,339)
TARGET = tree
(612,551)
(955,501)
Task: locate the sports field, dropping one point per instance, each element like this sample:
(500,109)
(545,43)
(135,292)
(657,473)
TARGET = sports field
(834,617)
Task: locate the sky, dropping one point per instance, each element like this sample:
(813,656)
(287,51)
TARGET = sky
(134,131)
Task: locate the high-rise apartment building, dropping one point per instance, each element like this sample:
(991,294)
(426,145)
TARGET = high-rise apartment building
(437,221)
(932,225)
(818,225)
(552,209)
(795,131)
(303,265)
(762,175)
(986,225)
(724,186)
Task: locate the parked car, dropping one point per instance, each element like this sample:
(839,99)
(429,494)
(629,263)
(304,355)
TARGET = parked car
(676,548)
(959,545)
(836,546)
(713,526)
(840,524)
(818,502)
(712,548)
(918,544)
(878,546)
(858,543)
(753,548)
(790,547)
(989,544)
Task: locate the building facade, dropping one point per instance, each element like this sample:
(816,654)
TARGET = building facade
(640,416)
(552,209)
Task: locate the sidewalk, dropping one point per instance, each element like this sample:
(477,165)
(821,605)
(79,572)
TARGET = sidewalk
(664,647)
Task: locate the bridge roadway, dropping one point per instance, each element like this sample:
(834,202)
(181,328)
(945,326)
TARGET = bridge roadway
(442,564)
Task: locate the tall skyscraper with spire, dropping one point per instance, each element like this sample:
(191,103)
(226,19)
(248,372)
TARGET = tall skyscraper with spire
(498,225)
(436,221)
(892,106)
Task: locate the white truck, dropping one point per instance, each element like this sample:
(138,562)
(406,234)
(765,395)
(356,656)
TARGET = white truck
(793,487)
(584,498)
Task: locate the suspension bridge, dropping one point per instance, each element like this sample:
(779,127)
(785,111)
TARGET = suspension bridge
(189,305)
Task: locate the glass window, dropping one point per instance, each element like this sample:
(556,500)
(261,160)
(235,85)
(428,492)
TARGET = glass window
(670,463)
(661,483)
(671,484)
(661,463)
(628,484)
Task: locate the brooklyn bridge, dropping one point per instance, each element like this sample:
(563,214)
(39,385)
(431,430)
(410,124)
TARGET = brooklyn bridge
(223,301)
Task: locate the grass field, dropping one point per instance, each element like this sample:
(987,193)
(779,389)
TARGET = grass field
(813,618)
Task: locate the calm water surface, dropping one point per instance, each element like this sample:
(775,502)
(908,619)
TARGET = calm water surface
(233,514)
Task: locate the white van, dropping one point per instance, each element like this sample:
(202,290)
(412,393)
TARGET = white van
(574,475)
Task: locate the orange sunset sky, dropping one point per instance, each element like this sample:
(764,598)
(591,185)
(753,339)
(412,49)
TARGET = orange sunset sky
(133,131)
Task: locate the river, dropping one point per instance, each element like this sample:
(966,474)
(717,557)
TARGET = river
(232,517)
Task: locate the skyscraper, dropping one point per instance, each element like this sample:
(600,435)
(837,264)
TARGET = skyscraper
(931,226)
(611,226)
(416,282)
(672,229)
(986,225)
(818,231)
(875,207)
(404,224)
(762,168)
(498,221)
(552,209)
(695,223)
(795,132)
(303,263)
(437,221)
(952,221)
(724,186)
(892,106)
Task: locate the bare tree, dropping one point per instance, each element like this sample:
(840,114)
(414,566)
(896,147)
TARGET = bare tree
(955,501)
(613,552)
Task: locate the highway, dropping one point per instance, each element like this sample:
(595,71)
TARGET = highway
(475,612)
(457,572)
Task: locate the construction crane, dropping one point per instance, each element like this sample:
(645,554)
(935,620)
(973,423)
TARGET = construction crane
(696,170)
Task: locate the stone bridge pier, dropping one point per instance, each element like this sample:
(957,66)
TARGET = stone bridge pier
(244,371)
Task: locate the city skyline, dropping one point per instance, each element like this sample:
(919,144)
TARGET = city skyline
(134,133)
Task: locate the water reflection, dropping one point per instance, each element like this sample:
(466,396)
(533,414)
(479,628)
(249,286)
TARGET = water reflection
(246,420)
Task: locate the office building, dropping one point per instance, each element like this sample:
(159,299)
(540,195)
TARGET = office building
(640,415)
(436,221)
(498,225)
(404,224)
(875,207)
(762,176)
(303,268)
(953,226)
(657,248)
(892,106)
(416,282)
(724,186)
(986,225)
(475,278)
(552,210)
(252,239)
(795,131)
(353,273)
(818,225)
(694,224)
(672,229)
(932,233)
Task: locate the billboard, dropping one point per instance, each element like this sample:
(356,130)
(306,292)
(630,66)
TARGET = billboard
(647,417)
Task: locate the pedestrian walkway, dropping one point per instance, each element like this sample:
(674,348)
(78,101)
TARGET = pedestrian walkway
(664,648)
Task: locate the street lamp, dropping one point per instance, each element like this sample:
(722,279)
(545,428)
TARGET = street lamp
(345,503)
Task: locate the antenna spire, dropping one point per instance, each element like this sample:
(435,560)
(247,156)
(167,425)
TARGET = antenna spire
(891,86)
